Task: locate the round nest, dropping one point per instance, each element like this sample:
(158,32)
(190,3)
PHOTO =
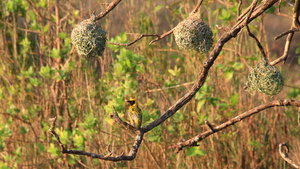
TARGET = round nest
(193,33)
(89,38)
(265,78)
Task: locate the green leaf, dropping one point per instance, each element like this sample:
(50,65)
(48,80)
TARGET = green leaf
(228,74)
(71,160)
(172,72)
(53,150)
(35,81)
(195,151)
(28,73)
(200,104)
(24,130)
(79,141)
(234,99)
(158,8)
(55,53)
(42,3)
(201,118)
(46,71)
(62,35)
(45,29)
(41,147)
(238,65)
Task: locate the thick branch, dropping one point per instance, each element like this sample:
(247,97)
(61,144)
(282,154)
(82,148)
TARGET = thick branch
(193,141)
(209,62)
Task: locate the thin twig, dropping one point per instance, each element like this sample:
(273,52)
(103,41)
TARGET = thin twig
(197,6)
(128,44)
(239,7)
(209,125)
(159,37)
(109,8)
(261,48)
(254,3)
(283,57)
(290,3)
(295,26)
(283,150)
(162,36)
(287,32)
(118,120)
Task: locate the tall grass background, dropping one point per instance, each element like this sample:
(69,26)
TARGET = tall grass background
(41,76)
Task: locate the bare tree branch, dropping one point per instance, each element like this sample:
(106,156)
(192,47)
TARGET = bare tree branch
(283,150)
(254,3)
(131,43)
(197,6)
(254,12)
(287,45)
(109,8)
(131,155)
(118,120)
(287,32)
(162,36)
(208,64)
(193,141)
(159,37)
(295,27)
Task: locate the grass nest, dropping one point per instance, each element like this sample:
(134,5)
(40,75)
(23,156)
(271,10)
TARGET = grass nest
(265,78)
(89,38)
(193,33)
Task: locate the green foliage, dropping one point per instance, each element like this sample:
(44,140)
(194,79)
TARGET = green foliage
(195,151)
(42,76)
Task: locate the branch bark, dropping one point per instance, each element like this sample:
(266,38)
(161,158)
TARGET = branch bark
(208,64)
(193,141)
(109,8)
(294,27)
(131,155)
(283,150)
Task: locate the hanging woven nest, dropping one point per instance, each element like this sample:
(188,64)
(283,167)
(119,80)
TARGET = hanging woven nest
(193,33)
(265,78)
(89,38)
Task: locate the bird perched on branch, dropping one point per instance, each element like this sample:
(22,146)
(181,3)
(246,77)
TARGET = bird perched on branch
(135,114)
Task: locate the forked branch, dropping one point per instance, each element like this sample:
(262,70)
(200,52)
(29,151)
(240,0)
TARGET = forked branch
(257,11)
(159,37)
(193,141)
(109,156)
(295,27)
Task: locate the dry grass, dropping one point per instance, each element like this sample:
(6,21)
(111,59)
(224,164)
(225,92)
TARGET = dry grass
(83,91)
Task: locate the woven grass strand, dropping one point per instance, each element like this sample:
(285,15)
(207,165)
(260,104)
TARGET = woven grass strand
(265,78)
(89,38)
(193,33)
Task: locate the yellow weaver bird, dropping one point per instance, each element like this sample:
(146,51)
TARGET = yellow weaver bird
(135,114)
